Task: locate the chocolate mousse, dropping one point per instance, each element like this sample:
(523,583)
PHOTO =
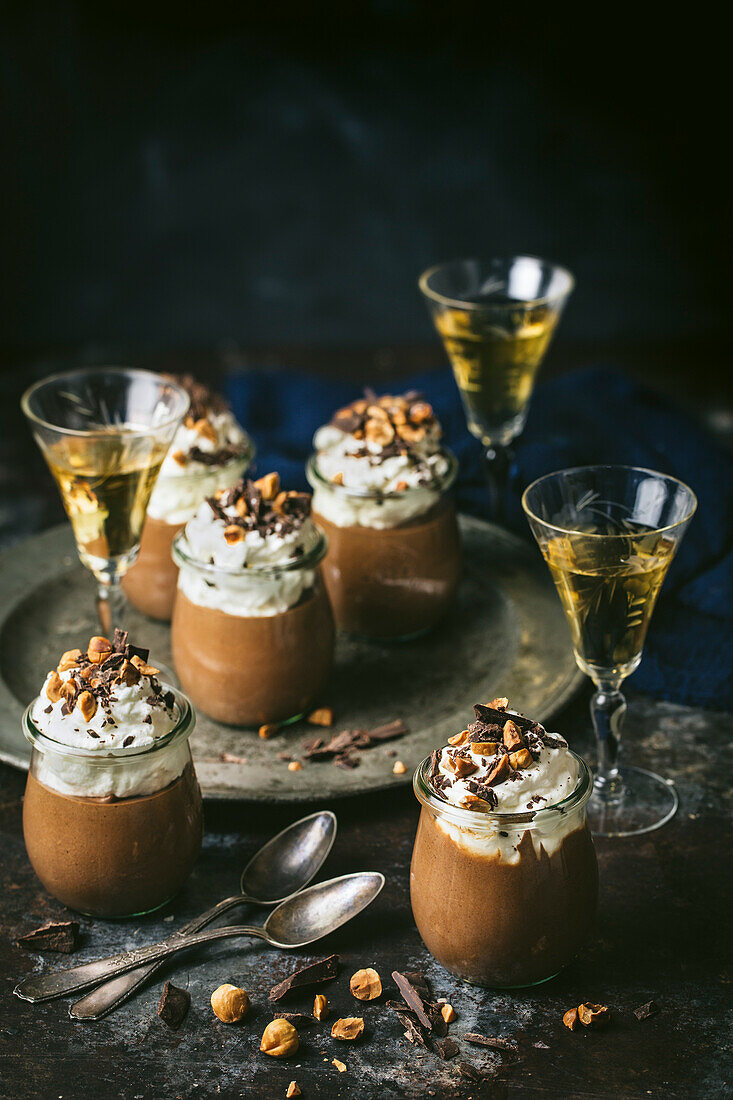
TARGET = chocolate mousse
(503,879)
(209,452)
(381,483)
(252,630)
(112,809)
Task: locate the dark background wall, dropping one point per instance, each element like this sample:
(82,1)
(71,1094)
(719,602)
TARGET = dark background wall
(181,177)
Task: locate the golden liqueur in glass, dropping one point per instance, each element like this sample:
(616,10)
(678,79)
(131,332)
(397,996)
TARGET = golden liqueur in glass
(105,485)
(608,587)
(495,362)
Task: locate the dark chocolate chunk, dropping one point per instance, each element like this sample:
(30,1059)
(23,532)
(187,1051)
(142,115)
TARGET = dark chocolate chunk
(487,1041)
(48,709)
(173,1005)
(58,935)
(488,714)
(447,1048)
(466,1069)
(643,1012)
(314,974)
(388,732)
(412,998)
(419,982)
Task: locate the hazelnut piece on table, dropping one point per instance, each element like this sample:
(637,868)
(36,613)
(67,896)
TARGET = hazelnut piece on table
(570,1019)
(366,985)
(348,1029)
(322,716)
(229,1004)
(339,1065)
(448,1013)
(279,1039)
(398,768)
(593,1015)
(320,1007)
(293,1090)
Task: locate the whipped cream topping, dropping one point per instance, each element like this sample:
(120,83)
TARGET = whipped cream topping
(209,452)
(248,530)
(504,763)
(108,703)
(383,459)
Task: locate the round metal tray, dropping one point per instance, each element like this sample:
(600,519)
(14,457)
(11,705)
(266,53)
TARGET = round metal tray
(506,636)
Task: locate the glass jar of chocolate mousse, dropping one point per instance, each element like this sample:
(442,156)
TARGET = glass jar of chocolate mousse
(252,633)
(394,557)
(210,452)
(113,829)
(503,899)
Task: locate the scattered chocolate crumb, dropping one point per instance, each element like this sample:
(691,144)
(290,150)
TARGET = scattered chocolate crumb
(285,757)
(48,709)
(128,740)
(489,1041)
(643,1012)
(466,1069)
(297,1019)
(322,971)
(173,1005)
(59,935)
(446,1048)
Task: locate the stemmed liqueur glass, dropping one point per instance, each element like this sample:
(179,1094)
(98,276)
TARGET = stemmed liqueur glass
(104,433)
(608,535)
(496,318)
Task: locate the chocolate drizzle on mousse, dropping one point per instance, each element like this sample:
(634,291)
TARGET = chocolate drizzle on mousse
(94,675)
(509,742)
(260,506)
(394,424)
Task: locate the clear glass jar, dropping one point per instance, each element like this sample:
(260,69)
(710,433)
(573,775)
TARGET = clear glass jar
(150,583)
(255,645)
(503,900)
(394,558)
(113,835)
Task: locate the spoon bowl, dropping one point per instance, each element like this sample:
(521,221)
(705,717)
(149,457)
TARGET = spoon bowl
(289,861)
(321,909)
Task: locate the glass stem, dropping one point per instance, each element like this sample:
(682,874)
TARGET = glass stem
(497,463)
(607,708)
(110,605)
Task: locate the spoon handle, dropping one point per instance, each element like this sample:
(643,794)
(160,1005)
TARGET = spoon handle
(111,994)
(59,983)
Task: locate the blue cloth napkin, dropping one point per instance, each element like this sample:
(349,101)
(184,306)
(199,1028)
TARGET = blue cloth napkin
(590,416)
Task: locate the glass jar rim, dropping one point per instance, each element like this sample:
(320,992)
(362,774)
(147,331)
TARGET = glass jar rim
(317,480)
(477,820)
(570,530)
(202,471)
(95,433)
(309,559)
(181,731)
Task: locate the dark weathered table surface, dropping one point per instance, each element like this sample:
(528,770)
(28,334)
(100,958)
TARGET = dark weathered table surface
(662,933)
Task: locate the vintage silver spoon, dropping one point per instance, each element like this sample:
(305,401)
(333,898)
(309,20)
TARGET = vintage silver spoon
(279,870)
(297,922)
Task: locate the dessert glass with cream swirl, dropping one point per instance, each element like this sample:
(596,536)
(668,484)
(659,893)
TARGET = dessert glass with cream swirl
(503,880)
(382,494)
(252,631)
(210,451)
(112,810)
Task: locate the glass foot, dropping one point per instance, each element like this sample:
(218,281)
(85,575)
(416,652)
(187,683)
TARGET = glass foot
(638,803)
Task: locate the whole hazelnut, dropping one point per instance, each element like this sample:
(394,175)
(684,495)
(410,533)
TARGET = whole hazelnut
(99,650)
(230,1004)
(366,985)
(279,1039)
